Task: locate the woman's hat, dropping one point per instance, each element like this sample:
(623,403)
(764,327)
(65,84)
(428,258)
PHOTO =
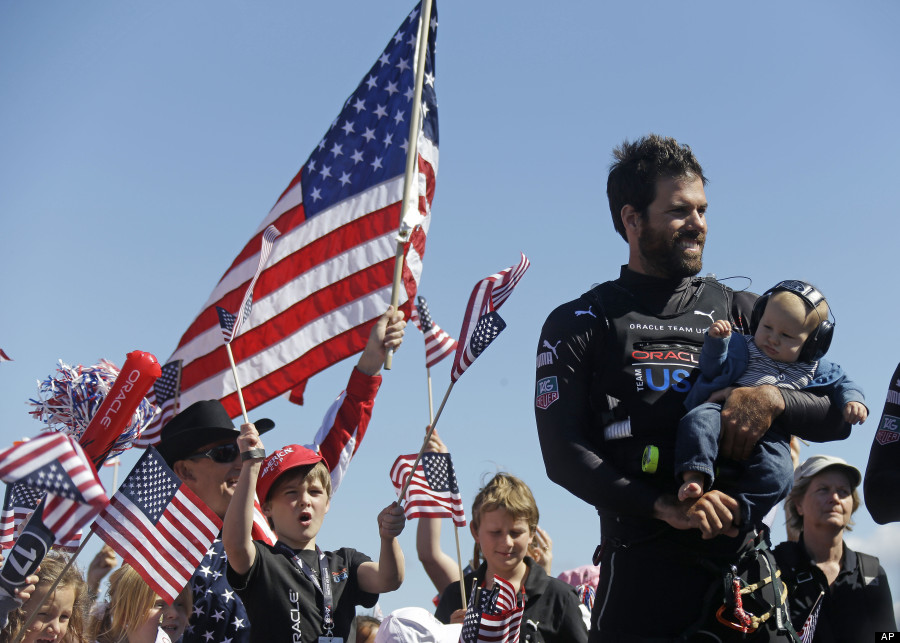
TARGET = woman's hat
(415,625)
(201,423)
(818,463)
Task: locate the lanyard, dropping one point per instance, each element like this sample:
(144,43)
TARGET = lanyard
(324,588)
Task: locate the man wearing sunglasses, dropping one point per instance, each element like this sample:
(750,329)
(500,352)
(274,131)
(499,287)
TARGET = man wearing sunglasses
(199,444)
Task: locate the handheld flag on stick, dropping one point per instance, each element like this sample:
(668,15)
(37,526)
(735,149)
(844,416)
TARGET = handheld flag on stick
(329,277)
(433,491)
(808,631)
(493,616)
(158,525)
(55,465)
(231,324)
(481,325)
(165,396)
(438,343)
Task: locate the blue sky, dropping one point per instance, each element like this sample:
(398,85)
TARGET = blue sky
(142,143)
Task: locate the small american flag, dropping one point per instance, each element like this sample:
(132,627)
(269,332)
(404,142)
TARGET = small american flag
(226,323)
(438,343)
(55,464)
(164,395)
(158,525)
(231,324)
(487,296)
(433,491)
(18,504)
(493,616)
(808,631)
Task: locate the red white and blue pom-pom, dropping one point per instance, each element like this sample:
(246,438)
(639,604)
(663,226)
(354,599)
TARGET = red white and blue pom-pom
(67,401)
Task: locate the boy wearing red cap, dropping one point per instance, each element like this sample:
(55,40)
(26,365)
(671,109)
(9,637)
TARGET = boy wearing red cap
(294,591)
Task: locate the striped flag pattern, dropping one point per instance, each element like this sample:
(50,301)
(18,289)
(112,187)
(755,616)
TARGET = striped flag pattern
(433,491)
(158,526)
(493,616)
(438,343)
(329,277)
(808,631)
(265,249)
(55,464)
(481,323)
(18,504)
(163,395)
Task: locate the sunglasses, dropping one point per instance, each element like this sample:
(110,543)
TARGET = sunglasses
(223,454)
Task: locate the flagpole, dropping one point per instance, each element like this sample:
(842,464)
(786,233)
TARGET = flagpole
(37,609)
(427,437)
(412,162)
(237,383)
(462,586)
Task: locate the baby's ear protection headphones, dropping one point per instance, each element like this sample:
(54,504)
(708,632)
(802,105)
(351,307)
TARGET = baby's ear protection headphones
(819,340)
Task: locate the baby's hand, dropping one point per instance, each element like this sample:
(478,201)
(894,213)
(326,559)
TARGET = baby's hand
(855,413)
(391,521)
(720,329)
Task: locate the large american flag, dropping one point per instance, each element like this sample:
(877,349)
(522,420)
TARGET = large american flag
(158,525)
(481,324)
(330,274)
(433,491)
(438,343)
(493,616)
(55,465)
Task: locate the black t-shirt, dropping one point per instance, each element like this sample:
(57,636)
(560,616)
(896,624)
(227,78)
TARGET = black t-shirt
(855,606)
(883,470)
(284,605)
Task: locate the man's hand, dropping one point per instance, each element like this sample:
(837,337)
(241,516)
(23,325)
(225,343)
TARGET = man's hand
(249,439)
(713,513)
(747,413)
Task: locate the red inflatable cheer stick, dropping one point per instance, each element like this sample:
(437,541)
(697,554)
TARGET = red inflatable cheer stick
(135,379)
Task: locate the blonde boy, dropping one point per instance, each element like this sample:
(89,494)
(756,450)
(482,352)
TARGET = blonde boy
(294,591)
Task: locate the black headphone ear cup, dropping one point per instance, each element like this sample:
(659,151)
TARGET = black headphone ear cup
(818,342)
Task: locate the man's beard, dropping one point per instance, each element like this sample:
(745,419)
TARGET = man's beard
(667,257)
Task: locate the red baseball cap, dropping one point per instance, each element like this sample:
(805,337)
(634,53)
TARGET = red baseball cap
(282,461)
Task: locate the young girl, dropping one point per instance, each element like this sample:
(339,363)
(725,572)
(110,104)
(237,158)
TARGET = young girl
(135,614)
(504,520)
(60,618)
